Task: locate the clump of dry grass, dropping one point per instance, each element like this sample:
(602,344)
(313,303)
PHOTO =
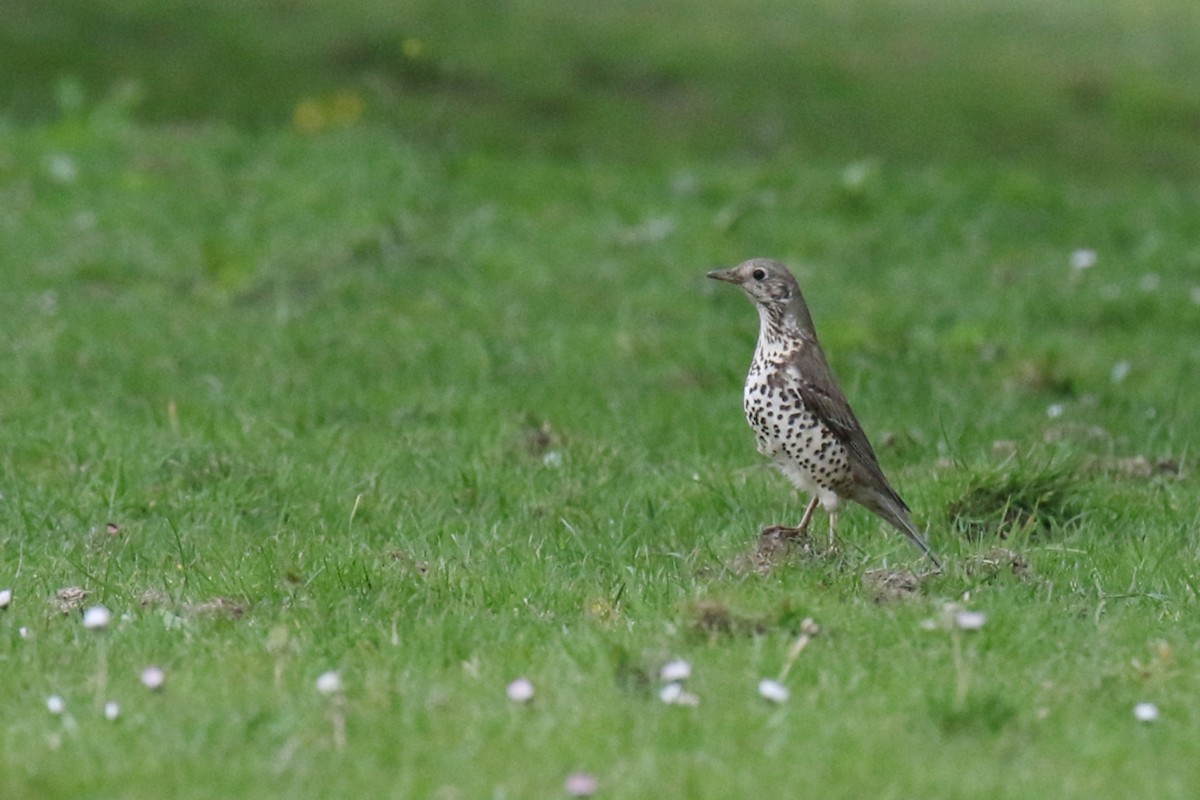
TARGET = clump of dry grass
(1012,500)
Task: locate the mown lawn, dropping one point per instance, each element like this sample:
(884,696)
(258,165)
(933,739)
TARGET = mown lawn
(376,341)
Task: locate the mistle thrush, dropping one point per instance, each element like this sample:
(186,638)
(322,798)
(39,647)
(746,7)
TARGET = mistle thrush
(800,415)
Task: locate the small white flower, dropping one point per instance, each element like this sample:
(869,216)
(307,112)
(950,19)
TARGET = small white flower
(1055,410)
(5,597)
(1120,371)
(96,618)
(856,175)
(62,168)
(969,620)
(684,183)
(774,691)
(1145,712)
(649,230)
(55,704)
(23,632)
(111,710)
(673,694)
(1083,259)
(581,784)
(520,690)
(329,682)
(154,678)
(677,670)
(552,459)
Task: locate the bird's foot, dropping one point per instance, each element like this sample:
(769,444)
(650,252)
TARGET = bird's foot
(783,533)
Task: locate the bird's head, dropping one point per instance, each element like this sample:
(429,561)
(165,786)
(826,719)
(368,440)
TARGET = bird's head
(764,281)
(775,293)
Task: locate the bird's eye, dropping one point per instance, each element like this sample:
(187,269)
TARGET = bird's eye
(759,274)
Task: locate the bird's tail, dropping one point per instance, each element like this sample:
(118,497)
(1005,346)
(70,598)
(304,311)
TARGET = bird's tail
(892,508)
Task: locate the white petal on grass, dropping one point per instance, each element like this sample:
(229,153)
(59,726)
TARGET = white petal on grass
(684,183)
(1055,410)
(969,620)
(678,670)
(1145,712)
(1120,371)
(552,459)
(649,230)
(154,678)
(1082,259)
(96,618)
(581,784)
(5,597)
(329,682)
(23,632)
(856,175)
(673,694)
(520,690)
(62,168)
(55,704)
(774,691)
(111,710)
(48,302)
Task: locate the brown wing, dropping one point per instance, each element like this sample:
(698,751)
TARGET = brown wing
(812,378)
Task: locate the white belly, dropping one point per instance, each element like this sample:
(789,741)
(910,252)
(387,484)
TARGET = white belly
(795,441)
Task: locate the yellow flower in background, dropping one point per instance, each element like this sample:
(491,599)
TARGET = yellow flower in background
(412,48)
(346,108)
(307,117)
(313,115)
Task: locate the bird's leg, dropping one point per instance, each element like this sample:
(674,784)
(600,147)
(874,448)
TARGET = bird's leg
(784,532)
(833,529)
(807,518)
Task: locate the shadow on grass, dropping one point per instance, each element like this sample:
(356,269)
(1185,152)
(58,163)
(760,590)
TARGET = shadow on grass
(982,713)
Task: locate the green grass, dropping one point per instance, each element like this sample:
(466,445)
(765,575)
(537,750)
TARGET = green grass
(438,397)
(1098,87)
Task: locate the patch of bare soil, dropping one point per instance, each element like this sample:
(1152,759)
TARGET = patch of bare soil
(893,585)
(996,561)
(779,544)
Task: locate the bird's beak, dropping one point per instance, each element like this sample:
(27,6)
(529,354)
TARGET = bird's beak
(727,275)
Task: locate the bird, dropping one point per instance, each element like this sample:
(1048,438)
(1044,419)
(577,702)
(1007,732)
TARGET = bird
(800,416)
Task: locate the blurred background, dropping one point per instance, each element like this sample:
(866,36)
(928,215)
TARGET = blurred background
(512,205)
(1103,87)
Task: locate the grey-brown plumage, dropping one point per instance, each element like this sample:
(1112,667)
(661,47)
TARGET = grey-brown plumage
(799,414)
